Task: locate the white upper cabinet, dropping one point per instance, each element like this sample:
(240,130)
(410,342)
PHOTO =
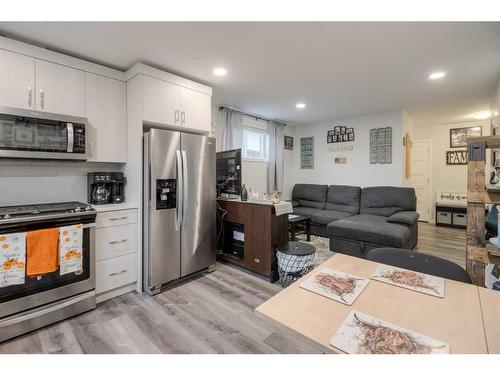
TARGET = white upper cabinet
(106,112)
(17,80)
(195,110)
(174,105)
(161,101)
(59,89)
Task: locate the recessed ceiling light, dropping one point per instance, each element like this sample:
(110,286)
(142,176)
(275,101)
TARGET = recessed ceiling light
(483,115)
(300,105)
(437,75)
(220,71)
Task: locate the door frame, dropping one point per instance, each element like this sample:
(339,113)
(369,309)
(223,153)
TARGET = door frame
(431,196)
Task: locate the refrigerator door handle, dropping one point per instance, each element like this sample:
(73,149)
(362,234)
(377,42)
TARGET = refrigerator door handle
(185,182)
(180,193)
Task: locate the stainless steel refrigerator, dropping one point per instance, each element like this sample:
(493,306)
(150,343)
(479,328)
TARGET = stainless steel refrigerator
(179,206)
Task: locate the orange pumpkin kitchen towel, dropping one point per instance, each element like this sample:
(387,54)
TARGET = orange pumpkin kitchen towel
(42,250)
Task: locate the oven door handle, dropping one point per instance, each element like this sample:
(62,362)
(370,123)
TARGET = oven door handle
(44,310)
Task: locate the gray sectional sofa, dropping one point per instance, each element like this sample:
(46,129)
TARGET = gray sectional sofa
(357,220)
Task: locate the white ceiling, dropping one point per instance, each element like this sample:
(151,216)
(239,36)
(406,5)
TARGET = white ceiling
(338,69)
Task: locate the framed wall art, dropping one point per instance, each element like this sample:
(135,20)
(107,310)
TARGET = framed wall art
(307,153)
(458,136)
(340,134)
(456,157)
(288,143)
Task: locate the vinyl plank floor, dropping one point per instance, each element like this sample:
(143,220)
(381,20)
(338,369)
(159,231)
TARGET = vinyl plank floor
(210,314)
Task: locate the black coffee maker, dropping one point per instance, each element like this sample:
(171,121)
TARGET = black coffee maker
(106,187)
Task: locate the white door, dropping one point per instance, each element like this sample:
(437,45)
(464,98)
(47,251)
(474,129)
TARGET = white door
(161,101)
(17,80)
(106,113)
(59,89)
(420,177)
(196,110)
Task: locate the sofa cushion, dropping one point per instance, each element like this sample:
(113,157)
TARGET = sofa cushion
(343,198)
(310,195)
(387,200)
(372,229)
(306,211)
(404,217)
(325,217)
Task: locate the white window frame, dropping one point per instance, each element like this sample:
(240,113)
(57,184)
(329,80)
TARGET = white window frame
(256,126)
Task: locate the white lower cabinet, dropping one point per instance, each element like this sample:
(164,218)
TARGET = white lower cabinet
(116,272)
(116,253)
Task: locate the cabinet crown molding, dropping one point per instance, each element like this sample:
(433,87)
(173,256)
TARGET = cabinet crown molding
(141,68)
(59,58)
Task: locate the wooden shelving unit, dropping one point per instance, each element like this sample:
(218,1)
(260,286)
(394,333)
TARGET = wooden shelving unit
(479,253)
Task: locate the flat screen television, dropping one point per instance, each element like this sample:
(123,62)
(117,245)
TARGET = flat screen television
(229,172)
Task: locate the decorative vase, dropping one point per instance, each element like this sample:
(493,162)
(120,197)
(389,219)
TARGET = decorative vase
(244,193)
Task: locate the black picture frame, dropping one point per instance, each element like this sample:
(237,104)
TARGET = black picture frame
(336,130)
(342,130)
(329,139)
(288,142)
(458,136)
(350,137)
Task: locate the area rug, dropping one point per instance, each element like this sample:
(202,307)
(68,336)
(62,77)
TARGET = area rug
(322,246)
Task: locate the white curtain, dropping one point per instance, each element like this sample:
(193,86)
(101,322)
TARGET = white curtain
(275,165)
(231,125)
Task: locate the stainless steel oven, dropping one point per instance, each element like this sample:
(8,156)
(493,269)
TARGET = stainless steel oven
(40,135)
(53,296)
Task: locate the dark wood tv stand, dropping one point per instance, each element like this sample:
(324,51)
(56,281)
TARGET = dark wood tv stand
(264,233)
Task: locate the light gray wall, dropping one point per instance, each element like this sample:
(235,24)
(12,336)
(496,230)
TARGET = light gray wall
(358,171)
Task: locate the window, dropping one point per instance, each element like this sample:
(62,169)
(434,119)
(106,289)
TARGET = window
(255,144)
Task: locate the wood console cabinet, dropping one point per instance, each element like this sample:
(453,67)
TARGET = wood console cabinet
(264,233)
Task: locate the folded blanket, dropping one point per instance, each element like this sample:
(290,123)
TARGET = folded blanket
(283,208)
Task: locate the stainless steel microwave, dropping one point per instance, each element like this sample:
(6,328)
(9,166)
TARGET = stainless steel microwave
(38,135)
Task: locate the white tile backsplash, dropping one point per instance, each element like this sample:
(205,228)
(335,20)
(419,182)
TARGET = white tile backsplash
(32,182)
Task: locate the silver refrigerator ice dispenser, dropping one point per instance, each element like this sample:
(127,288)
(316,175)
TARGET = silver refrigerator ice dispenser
(179,206)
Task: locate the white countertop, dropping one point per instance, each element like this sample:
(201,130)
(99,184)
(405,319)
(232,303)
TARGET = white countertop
(114,207)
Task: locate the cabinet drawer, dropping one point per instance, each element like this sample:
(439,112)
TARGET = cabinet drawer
(115,272)
(444,217)
(112,218)
(459,219)
(115,241)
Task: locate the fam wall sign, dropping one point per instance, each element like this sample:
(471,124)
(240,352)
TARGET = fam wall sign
(456,157)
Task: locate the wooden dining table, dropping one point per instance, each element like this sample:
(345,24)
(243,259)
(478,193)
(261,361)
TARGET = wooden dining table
(466,318)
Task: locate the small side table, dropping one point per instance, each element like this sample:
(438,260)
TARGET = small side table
(295,261)
(294,220)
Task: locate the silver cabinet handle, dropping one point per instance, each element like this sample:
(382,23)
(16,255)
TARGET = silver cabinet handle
(118,218)
(42,104)
(176,116)
(117,273)
(183,117)
(118,241)
(30,95)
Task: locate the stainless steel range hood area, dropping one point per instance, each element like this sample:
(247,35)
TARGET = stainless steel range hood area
(29,134)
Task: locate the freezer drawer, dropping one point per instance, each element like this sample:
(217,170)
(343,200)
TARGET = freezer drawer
(444,217)
(459,219)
